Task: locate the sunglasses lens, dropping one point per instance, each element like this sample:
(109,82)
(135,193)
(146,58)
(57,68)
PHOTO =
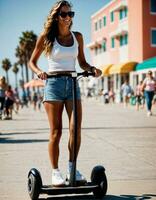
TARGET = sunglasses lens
(71,14)
(64,14)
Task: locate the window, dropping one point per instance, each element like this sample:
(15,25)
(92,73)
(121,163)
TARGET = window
(103,46)
(96,50)
(123,40)
(112,42)
(153,37)
(104,21)
(100,23)
(96,26)
(153,6)
(112,16)
(123,13)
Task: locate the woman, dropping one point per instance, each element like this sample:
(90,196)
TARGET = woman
(149,87)
(139,95)
(3,87)
(62,47)
(9,101)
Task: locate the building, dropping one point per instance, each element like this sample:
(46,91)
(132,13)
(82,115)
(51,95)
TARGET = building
(123,34)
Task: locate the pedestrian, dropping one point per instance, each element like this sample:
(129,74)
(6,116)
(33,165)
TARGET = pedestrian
(17,100)
(9,101)
(149,87)
(34,99)
(3,87)
(126,92)
(62,47)
(111,95)
(139,95)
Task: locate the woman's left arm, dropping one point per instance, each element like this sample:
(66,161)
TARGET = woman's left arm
(81,57)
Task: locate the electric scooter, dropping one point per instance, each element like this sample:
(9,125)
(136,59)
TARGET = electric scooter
(98,183)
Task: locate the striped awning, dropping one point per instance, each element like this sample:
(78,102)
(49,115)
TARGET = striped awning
(122,68)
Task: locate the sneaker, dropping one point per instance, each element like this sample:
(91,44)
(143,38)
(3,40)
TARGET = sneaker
(57,178)
(79,176)
(149,113)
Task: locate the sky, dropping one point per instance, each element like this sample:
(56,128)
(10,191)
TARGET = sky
(17,16)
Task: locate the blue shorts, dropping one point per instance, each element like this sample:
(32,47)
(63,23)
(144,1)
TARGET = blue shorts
(59,89)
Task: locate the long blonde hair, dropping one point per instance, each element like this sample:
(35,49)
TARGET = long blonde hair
(51,25)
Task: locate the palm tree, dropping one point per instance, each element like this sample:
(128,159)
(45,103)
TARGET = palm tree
(15,70)
(27,43)
(20,55)
(6,65)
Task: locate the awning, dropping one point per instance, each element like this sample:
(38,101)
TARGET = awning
(147,64)
(122,68)
(105,69)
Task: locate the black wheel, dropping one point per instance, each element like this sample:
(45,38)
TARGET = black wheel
(98,177)
(34,184)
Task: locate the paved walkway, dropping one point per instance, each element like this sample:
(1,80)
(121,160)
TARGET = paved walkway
(123,140)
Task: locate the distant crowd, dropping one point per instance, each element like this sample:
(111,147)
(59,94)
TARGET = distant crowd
(143,93)
(11,100)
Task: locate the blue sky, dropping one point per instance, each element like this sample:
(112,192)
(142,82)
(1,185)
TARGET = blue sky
(17,16)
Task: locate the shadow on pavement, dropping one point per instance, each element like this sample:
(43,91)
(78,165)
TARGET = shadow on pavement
(107,197)
(19,133)
(6,140)
(107,128)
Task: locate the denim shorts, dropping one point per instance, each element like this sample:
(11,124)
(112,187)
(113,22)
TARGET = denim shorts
(60,89)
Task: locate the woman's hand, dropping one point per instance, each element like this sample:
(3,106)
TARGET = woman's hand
(97,71)
(42,75)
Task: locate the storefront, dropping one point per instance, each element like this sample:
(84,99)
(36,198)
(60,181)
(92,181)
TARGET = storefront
(141,69)
(118,73)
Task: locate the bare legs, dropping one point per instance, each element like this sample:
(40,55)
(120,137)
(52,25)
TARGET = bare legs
(68,106)
(54,111)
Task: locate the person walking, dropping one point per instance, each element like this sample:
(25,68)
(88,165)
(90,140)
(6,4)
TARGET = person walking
(61,47)
(3,87)
(139,95)
(126,92)
(9,101)
(149,87)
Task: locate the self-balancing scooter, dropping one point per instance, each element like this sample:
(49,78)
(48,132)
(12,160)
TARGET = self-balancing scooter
(98,183)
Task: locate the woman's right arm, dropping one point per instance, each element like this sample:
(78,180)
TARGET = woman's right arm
(35,57)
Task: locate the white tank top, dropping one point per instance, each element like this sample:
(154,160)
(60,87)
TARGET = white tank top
(63,58)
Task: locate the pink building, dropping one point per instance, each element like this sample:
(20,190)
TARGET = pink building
(123,33)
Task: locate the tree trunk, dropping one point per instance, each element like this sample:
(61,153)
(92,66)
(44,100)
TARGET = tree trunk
(16,82)
(22,73)
(7,77)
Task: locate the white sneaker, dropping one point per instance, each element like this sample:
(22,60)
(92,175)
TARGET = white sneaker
(149,113)
(79,176)
(57,178)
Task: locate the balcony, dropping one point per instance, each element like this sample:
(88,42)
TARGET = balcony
(96,44)
(121,30)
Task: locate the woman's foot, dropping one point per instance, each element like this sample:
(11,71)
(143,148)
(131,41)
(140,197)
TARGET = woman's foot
(149,113)
(57,178)
(79,176)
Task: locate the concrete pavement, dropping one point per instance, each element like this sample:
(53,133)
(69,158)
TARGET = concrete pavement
(121,139)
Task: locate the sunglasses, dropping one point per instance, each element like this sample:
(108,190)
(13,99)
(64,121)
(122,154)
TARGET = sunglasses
(64,14)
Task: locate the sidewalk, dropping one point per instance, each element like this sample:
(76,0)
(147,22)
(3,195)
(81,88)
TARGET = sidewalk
(122,140)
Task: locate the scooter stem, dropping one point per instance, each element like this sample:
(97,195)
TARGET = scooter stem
(72,180)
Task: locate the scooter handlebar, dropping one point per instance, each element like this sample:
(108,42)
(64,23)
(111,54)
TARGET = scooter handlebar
(72,74)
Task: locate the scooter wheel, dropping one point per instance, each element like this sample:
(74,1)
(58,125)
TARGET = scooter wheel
(98,177)
(34,184)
